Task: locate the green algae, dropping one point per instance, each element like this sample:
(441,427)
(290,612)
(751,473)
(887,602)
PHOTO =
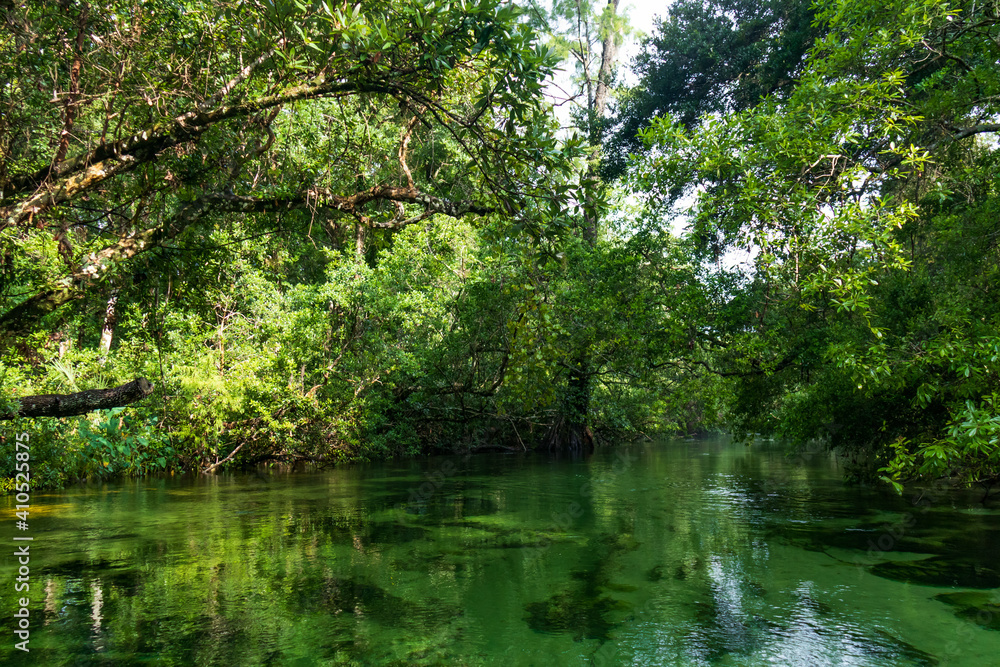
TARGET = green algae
(940,571)
(978,607)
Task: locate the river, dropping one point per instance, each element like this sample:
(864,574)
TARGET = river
(673,553)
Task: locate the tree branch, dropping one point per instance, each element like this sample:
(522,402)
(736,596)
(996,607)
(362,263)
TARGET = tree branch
(67,405)
(92,167)
(962,133)
(27,314)
(325,198)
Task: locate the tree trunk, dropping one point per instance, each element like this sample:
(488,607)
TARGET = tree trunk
(571,433)
(108,331)
(609,54)
(67,405)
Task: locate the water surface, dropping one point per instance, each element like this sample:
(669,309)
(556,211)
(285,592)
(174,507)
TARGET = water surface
(675,553)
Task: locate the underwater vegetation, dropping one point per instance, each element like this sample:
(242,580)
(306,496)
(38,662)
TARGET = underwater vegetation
(584,609)
(976,606)
(940,571)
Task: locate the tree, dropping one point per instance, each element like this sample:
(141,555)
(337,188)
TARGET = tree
(717,57)
(589,36)
(866,315)
(163,120)
(277,212)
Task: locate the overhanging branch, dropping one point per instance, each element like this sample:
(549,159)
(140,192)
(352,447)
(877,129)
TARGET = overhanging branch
(325,198)
(95,267)
(68,405)
(89,168)
(26,315)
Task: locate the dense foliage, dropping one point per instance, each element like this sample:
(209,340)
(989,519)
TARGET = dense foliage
(853,225)
(711,57)
(334,232)
(325,232)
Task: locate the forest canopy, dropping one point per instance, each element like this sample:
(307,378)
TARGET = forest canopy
(860,204)
(328,231)
(323,232)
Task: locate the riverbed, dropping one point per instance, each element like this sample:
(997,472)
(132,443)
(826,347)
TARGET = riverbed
(683,552)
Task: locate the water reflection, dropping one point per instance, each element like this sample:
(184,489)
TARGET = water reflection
(675,554)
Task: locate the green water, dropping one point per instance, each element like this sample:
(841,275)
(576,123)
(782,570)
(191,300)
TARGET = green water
(678,553)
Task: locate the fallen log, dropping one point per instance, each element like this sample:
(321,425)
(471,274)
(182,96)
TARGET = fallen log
(67,405)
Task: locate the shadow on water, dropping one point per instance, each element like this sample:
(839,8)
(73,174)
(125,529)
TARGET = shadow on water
(584,609)
(983,609)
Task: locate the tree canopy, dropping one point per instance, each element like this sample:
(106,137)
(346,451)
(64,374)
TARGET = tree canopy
(711,57)
(862,205)
(125,125)
(329,231)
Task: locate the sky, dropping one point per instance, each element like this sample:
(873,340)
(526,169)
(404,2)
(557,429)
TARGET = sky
(641,14)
